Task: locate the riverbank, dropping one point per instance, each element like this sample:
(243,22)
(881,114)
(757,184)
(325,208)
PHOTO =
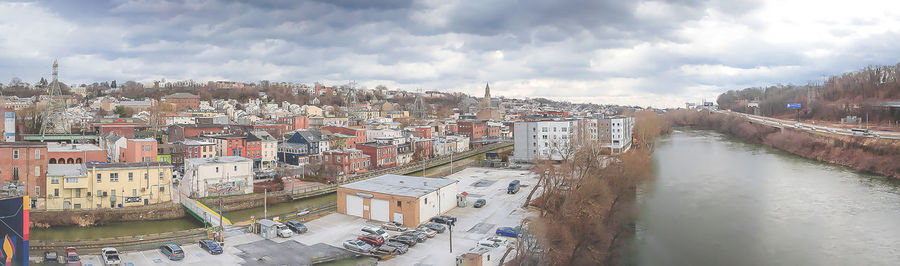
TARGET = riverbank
(870,155)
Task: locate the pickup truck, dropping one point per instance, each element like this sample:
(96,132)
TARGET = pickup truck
(110,256)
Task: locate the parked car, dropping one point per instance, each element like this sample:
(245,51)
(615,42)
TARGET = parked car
(479,203)
(419,236)
(401,248)
(210,246)
(375,231)
(385,249)
(72,257)
(172,251)
(513,187)
(374,240)
(427,231)
(409,240)
(394,226)
(436,227)
(110,256)
(358,246)
(499,240)
(50,256)
(296,226)
(444,219)
(283,230)
(488,243)
(507,231)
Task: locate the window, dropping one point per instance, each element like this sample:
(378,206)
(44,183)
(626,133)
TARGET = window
(217,170)
(15,154)
(114,177)
(146,176)
(54,180)
(15,173)
(162,189)
(37,154)
(56,192)
(147,147)
(398,203)
(77,192)
(37,190)
(99,193)
(235,167)
(99,178)
(130,176)
(77,206)
(134,192)
(161,174)
(426,200)
(72,180)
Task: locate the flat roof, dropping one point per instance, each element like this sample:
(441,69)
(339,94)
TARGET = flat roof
(401,185)
(66,170)
(59,147)
(128,165)
(219,159)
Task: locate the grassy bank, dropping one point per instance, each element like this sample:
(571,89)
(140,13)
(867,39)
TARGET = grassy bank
(878,156)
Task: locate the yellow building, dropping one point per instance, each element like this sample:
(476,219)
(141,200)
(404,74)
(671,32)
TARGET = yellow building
(108,185)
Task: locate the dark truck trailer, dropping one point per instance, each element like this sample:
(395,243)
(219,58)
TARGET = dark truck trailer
(513,187)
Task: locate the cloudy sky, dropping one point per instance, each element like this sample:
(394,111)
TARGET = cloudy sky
(659,53)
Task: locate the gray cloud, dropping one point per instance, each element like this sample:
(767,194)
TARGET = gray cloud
(648,52)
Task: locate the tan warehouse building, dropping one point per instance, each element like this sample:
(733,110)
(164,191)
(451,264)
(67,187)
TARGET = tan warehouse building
(409,200)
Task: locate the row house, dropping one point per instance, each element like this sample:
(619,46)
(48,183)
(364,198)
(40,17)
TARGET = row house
(217,176)
(295,122)
(108,185)
(352,135)
(423,148)
(180,132)
(380,155)
(195,149)
(346,161)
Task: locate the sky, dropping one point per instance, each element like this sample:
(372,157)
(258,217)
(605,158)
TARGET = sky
(646,53)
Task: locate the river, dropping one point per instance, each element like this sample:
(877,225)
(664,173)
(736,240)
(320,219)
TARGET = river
(719,201)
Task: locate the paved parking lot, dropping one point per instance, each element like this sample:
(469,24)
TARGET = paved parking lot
(474,224)
(326,234)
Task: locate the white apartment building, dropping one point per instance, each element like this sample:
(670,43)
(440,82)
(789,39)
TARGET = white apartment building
(619,133)
(226,175)
(542,139)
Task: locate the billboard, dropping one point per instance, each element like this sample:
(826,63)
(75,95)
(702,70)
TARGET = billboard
(14,231)
(794,106)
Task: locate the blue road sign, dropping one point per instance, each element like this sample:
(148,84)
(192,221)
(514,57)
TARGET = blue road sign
(794,106)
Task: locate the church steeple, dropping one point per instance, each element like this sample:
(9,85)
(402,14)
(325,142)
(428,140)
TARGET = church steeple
(486,101)
(487,91)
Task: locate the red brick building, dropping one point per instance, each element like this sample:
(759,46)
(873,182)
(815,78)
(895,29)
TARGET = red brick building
(424,148)
(346,161)
(139,150)
(183,101)
(358,134)
(380,155)
(472,129)
(493,131)
(25,163)
(181,132)
(422,132)
(295,122)
(276,130)
(120,126)
(75,153)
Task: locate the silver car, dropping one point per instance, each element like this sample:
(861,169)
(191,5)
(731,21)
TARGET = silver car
(357,246)
(394,226)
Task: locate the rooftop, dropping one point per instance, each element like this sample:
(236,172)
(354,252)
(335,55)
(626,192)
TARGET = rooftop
(215,160)
(128,165)
(181,95)
(60,147)
(401,185)
(66,170)
(18,144)
(143,140)
(191,142)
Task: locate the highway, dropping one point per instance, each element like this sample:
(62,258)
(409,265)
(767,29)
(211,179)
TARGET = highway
(781,123)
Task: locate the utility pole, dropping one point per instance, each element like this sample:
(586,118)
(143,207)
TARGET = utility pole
(450,227)
(265,203)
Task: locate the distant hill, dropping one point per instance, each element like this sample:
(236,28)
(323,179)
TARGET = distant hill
(852,93)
